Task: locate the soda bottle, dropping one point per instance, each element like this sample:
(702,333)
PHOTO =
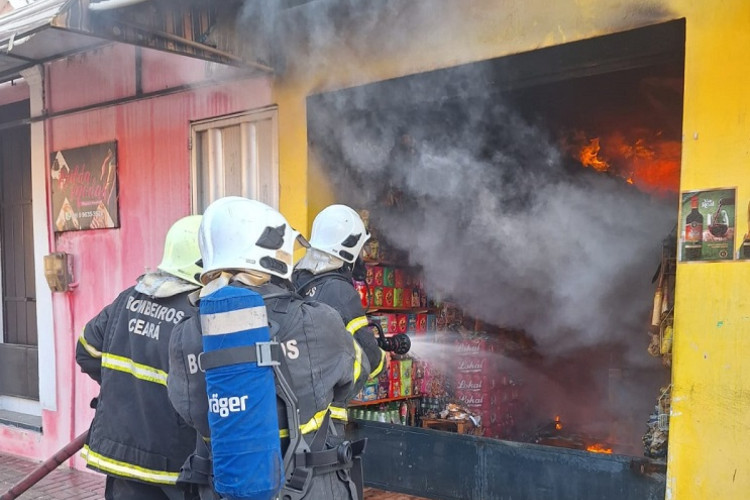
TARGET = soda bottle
(403,411)
(693,232)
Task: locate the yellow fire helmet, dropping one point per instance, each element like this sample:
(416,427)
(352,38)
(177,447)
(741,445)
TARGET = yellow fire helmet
(181,251)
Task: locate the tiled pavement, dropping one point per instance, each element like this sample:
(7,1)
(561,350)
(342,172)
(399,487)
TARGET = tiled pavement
(67,484)
(62,483)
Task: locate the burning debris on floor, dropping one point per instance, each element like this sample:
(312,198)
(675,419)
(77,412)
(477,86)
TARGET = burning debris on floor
(555,433)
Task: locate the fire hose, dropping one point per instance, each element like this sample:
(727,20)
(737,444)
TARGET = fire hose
(399,344)
(46,467)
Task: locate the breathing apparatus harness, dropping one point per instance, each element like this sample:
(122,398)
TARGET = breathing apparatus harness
(301,461)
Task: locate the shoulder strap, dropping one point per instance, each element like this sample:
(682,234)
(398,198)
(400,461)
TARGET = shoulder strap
(331,274)
(303,460)
(262,353)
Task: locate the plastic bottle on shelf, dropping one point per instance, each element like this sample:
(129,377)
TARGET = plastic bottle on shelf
(403,412)
(381,414)
(393,416)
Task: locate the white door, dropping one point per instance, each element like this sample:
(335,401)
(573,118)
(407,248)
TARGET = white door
(236,155)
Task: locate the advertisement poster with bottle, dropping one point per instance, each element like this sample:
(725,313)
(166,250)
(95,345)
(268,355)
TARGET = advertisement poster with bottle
(707,221)
(744,250)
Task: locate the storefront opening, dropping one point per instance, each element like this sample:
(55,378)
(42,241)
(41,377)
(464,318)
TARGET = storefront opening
(534,199)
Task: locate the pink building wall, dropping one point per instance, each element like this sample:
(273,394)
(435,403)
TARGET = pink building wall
(13,91)
(154,190)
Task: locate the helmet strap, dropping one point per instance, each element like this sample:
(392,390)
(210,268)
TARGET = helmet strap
(252,278)
(358,270)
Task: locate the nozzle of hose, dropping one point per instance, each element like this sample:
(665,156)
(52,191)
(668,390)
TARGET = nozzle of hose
(398,344)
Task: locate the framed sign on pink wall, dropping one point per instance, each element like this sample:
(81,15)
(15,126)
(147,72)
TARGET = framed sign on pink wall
(84,187)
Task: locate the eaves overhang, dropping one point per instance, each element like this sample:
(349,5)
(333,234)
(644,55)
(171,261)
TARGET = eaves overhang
(36,33)
(47,30)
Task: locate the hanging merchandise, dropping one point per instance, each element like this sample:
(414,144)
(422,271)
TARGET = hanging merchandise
(661,329)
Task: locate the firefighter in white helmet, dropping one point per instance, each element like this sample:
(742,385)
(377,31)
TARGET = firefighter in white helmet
(326,271)
(245,243)
(136,437)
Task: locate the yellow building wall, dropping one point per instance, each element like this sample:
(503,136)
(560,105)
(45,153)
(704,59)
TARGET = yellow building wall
(709,456)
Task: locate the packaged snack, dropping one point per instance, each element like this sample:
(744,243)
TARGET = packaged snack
(411,325)
(392,322)
(398,297)
(377,275)
(394,370)
(403,323)
(398,278)
(405,368)
(431,323)
(421,323)
(363,291)
(388,276)
(416,300)
(387,296)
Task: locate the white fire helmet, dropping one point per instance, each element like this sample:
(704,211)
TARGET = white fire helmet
(181,252)
(240,234)
(338,230)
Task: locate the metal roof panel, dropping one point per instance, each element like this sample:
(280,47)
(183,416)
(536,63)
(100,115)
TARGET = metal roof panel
(30,18)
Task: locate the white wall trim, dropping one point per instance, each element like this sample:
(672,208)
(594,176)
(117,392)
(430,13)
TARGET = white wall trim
(19,405)
(44,316)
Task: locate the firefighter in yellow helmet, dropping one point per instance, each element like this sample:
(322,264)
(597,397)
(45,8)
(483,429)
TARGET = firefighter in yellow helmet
(136,438)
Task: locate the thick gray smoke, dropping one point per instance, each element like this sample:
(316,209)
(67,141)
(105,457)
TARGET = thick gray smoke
(495,216)
(519,236)
(486,203)
(473,187)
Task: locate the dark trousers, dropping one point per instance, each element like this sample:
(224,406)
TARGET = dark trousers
(123,489)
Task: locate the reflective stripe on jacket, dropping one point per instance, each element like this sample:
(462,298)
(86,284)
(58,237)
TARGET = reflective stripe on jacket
(336,289)
(135,433)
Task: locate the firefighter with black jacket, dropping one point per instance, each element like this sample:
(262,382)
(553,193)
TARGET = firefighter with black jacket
(136,438)
(247,244)
(325,274)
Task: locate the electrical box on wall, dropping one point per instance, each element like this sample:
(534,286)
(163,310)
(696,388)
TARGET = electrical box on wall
(58,270)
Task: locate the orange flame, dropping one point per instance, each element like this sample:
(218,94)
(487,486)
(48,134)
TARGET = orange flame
(589,156)
(649,162)
(558,423)
(599,448)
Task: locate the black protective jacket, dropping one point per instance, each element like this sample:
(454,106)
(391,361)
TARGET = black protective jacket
(336,289)
(324,363)
(135,433)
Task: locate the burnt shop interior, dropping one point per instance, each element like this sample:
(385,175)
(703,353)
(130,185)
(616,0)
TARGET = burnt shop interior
(523,214)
